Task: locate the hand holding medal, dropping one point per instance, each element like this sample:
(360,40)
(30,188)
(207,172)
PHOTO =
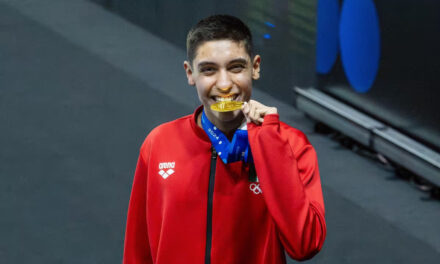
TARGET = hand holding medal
(255,111)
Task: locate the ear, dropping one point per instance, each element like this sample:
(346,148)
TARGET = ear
(189,73)
(256,67)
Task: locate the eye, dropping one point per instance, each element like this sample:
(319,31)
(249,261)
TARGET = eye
(236,68)
(207,70)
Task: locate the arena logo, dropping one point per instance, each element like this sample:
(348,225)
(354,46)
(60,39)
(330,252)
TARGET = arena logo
(166,165)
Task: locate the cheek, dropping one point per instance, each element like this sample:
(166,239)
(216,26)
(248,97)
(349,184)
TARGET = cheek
(203,87)
(244,78)
(245,83)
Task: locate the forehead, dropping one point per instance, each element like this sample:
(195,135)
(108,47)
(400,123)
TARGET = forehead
(220,50)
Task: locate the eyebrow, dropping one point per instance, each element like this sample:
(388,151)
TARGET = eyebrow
(204,63)
(240,60)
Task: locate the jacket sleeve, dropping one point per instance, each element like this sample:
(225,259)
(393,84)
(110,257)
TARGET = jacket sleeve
(287,168)
(136,245)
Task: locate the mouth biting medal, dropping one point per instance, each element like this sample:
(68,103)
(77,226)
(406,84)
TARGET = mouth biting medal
(226,106)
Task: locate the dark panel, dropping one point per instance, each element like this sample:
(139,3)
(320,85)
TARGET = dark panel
(405,91)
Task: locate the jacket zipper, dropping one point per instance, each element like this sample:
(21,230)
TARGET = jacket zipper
(209,211)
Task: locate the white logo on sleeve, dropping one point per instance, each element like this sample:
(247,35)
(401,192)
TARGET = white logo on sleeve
(166,169)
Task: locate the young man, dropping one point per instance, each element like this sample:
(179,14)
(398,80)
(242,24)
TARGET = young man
(206,190)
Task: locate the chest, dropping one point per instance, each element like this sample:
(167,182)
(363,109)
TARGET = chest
(183,177)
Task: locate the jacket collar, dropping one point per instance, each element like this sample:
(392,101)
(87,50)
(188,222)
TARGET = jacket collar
(198,130)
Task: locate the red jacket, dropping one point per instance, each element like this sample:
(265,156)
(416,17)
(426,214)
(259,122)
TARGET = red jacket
(252,222)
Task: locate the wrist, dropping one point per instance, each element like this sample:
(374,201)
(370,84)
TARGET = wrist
(271,119)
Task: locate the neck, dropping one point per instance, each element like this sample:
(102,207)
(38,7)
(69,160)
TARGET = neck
(227,128)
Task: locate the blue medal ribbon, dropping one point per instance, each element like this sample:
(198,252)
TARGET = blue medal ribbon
(236,150)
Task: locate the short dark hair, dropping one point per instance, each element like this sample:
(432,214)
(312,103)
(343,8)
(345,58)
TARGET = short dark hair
(217,27)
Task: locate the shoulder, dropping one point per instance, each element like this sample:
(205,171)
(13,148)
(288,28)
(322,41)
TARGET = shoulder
(166,130)
(297,134)
(273,127)
(296,138)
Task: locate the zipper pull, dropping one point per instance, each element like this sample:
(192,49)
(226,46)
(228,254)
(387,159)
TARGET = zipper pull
(252,173)
(213,153)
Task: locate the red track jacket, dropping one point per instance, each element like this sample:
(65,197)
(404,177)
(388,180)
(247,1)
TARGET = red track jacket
(250,222)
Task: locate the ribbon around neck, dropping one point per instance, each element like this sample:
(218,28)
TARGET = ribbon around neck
(236,150)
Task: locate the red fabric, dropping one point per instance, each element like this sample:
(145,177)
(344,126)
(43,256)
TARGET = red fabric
(166,220)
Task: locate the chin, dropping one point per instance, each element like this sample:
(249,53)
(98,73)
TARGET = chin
(229,116)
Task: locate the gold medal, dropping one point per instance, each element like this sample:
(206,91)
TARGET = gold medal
(226,106)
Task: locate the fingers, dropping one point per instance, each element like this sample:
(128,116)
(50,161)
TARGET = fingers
(252,112)
(249,111)
(255,111)
(245,109)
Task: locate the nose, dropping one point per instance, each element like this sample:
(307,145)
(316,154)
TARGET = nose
(224,82)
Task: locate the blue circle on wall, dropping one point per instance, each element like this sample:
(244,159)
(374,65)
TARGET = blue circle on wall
(327,39)
(360,43)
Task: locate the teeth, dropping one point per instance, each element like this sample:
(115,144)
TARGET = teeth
(224,99)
